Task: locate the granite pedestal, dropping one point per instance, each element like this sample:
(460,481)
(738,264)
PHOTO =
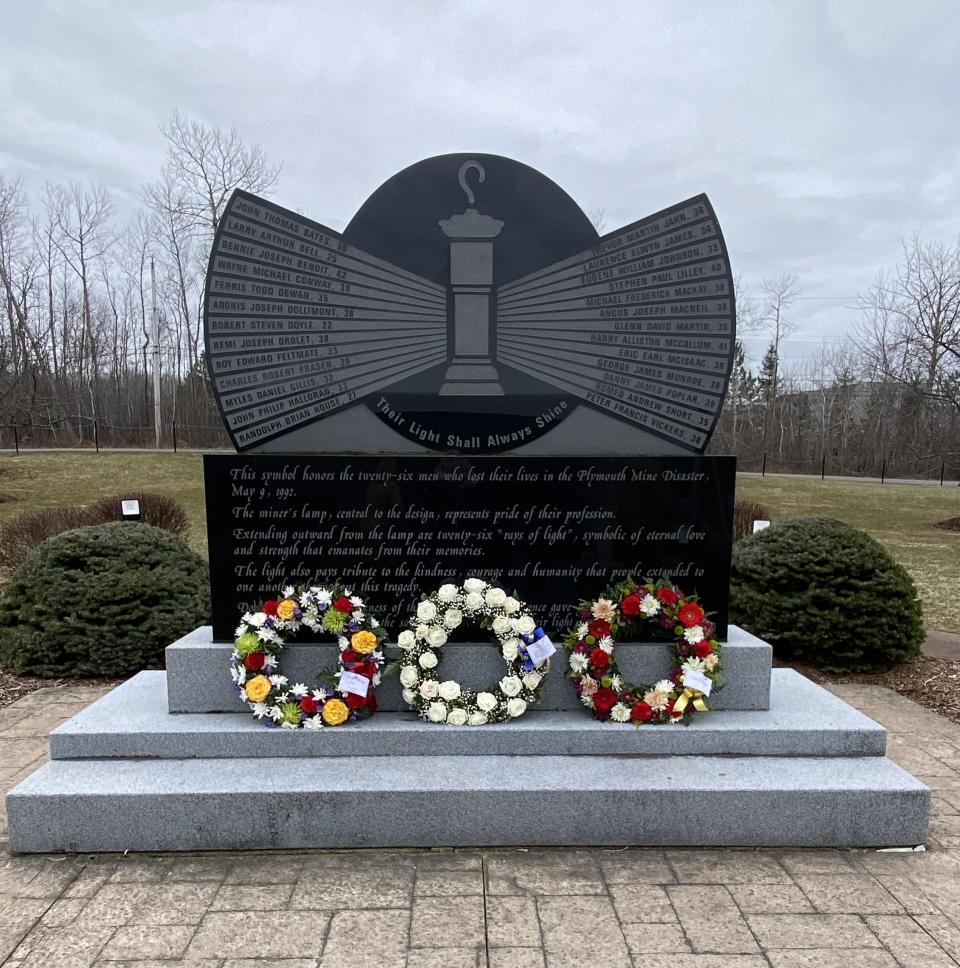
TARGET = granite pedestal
(800,768)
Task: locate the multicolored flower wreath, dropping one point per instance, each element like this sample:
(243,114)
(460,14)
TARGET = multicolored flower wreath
(616,614)
(346,695)
(525,647)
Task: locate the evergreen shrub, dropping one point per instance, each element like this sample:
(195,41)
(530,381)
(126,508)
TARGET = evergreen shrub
(101,600)
(823,592)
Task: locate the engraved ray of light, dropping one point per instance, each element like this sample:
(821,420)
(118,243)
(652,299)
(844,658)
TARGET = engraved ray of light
(641,325)
(301,324)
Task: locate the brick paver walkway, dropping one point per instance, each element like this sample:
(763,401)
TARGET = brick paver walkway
(502,908)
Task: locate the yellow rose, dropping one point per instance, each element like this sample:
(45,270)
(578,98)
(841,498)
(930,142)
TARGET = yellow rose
(258,688)
(335,712)
(286,608)
(363,642)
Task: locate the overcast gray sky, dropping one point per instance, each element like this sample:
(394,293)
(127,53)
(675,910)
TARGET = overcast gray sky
(822,132)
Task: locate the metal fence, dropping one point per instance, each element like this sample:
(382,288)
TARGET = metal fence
(85,434)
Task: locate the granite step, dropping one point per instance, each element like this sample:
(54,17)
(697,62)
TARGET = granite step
(428,801)
(132,722)
(199,680)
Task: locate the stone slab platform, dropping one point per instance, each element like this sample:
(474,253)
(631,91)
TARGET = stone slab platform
(199,681)
(132,722)
(415,801)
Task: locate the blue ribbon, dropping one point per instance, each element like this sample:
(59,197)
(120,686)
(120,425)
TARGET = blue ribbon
(529,638)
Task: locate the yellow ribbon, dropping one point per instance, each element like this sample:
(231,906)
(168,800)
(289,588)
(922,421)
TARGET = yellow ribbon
(688,695)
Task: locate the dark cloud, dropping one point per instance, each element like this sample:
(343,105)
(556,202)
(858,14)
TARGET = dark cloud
(823,132)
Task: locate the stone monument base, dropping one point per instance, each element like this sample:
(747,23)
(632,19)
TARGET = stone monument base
(127,774)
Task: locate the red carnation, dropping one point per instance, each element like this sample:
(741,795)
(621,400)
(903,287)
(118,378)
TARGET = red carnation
(599,627)
(343,604)
(354,701)
(368,669)
(690,614)
(642,712)
(599,658)
(670,710)
(270,608)
(667,595)
(309,705)
(372,701)
(702,649)
(254,661)
(604,699)
(630,605)
(348,655)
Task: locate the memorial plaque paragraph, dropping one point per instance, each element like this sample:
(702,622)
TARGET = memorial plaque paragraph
(555,529)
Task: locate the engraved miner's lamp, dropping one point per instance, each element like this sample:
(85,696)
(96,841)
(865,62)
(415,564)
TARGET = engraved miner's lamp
(471,371)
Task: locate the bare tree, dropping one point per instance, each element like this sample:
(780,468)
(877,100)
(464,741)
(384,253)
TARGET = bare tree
(779,293)
(204,165)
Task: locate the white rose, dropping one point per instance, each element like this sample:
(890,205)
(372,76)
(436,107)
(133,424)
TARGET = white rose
(449,690)
(524,625)
(406,639)
(495,597)
(474,584)
(510,649)
(501,624)
(426,611)
(428,660)
(448,593)
(516,707)
(436,637)
(430,689)
(436,712)
(486,701)
(422,631)
(409,676)
(457,717)
(478,719)
(409,696)
(510,686)
(473,601)
(510,605)
(532,679)
(452,618)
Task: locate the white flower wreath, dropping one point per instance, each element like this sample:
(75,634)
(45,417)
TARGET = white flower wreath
(525,648)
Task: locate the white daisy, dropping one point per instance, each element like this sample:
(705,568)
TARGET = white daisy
(299,690)
(288,591)
(374,624)
(694,665)
(239,631)
(620,713)
(587,701)
(578,662)
(606,643)
(260,709)
(288,725)
(693,634)
(343,642)
(278,680)
(269,659)
(256,619)
(356,602)
(583,630)
(238,674)
(313,722)
(649,605)
(275,713)
(664,685)
(616,683)
(358,615)
(319,694)
(323,596)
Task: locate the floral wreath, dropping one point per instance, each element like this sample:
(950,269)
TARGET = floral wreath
(346,695)
(526,648)
(593,668)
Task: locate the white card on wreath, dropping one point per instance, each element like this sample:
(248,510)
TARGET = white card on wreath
(697,680)
(354,683)
(540,650)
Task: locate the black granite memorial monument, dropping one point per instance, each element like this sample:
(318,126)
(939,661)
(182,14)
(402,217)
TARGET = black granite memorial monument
(571,382)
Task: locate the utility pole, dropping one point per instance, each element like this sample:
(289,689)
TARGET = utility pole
(156,354)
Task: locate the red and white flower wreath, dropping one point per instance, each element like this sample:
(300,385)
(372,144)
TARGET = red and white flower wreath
(593,668)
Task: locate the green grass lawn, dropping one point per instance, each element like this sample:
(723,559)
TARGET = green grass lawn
(899,515)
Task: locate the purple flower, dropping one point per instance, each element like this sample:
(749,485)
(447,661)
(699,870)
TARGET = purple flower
(582,648)
(586,615)
(353,625)
(298,614)
(322,606)
(676,676)
(666,622)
